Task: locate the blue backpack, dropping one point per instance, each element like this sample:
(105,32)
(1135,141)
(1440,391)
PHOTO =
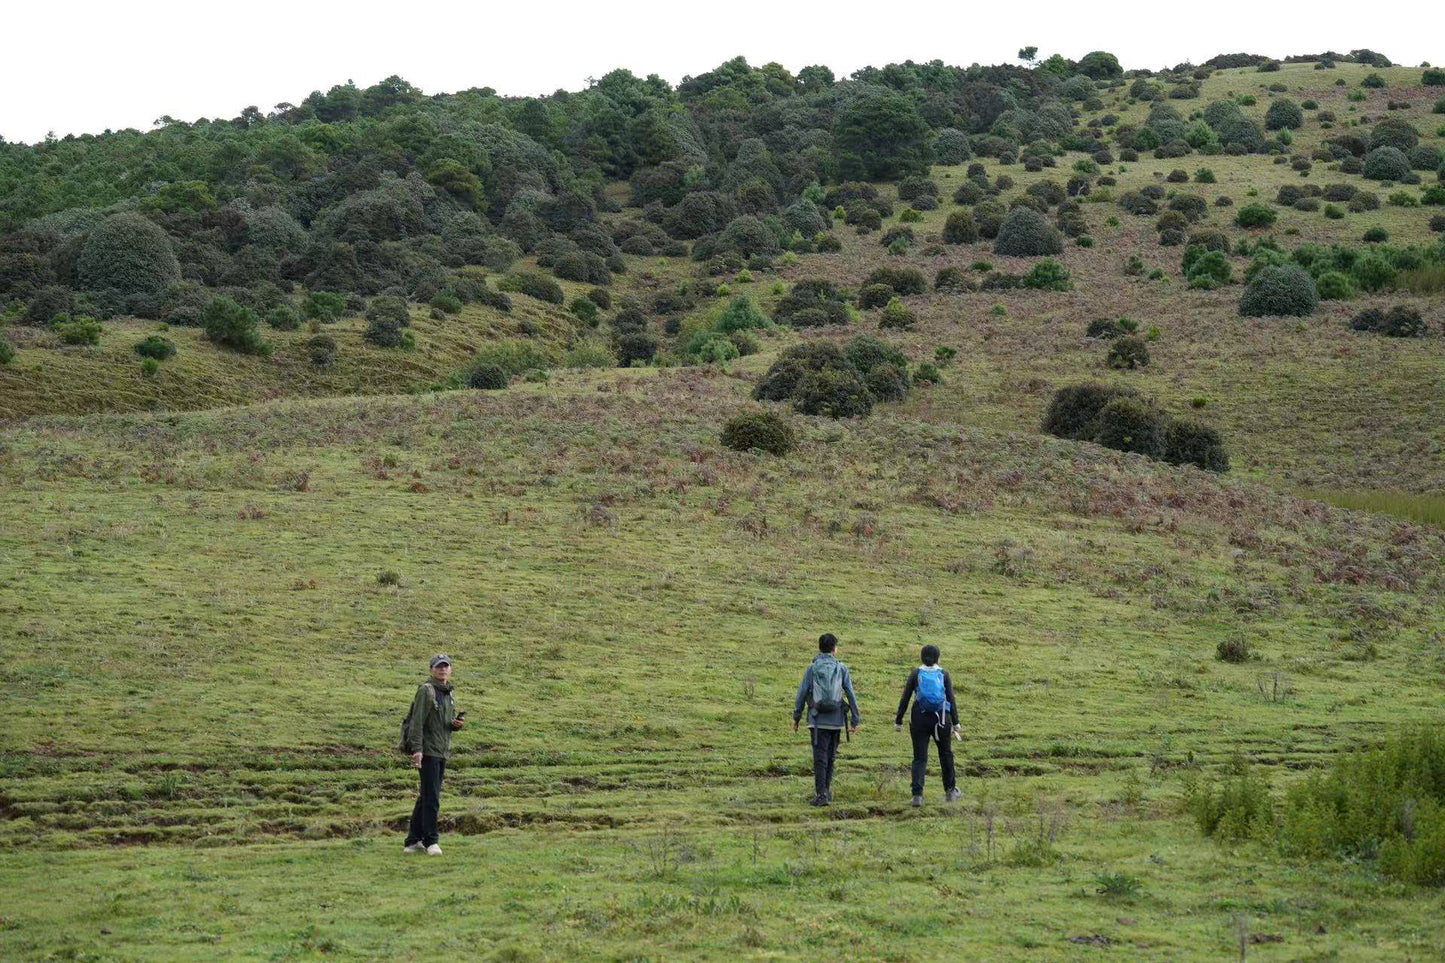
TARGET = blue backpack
(931,694)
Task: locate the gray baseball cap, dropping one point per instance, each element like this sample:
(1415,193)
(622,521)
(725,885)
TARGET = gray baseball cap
(437,660)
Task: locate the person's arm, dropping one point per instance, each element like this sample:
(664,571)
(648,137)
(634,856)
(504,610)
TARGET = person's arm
(852,698)
(419,709)
(805,692)
(908,689)
(948,694)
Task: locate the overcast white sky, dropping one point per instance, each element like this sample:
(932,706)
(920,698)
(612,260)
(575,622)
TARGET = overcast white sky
(84,67)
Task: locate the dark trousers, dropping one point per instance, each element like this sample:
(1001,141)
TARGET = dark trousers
(923,730)
(825,753)
(428,802)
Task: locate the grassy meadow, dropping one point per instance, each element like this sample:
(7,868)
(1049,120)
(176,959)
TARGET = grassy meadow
(219,586)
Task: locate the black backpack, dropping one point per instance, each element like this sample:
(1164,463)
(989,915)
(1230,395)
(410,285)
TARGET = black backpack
(406,723)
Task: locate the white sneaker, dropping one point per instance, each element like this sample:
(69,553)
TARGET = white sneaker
(433,850)
(414,848)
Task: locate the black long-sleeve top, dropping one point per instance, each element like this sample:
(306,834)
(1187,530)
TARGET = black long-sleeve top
(920,713)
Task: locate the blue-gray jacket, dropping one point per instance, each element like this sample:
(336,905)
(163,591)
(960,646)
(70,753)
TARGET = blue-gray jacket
(836,719)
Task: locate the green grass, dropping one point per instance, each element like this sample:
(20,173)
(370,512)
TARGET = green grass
(1427,509)
(198,656)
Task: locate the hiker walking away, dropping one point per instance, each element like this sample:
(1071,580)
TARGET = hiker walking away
(825,687)
(427,735)
(934,719)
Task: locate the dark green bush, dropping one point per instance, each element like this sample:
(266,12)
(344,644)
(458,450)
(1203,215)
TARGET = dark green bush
(324,305)
(759,431)
(887,382)
(1375,235)
(537,286)
(989,216)
(321,350)
(918,185)
(874,295)
(1131,424)
(1103,329)
(583,266)
(1284,114)
(896,314)
(7,350)
(79,330)
(815,295)
(960,228)
(1073,412)
(835,392)
(636,347)
(1279,290)
(584,310)
(1399,321)
(1386,164)
(487,376)
(1234,650)
(1254,215)
(385,333)
(1047,275)
(1190,443)
(866,352)
(127,254)
(904,281)
(234,326)
(155,346)
(284,317)
(1128,353)
(391,310)
(927,373)
(1027,233)
(1335,286)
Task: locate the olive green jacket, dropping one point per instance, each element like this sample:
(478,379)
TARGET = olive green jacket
(429,730)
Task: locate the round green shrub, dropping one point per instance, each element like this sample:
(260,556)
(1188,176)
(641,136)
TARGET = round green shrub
(284,317)
(1048,275)
(1335,286)
(321,350)
(1279,290)
(155,346)
(896,314)
(234,326)
(1027,233)
(1103,329)
(1190,443)
(1394,132)
(1376,235)
(866,352)
(759,431)
(960,228)
(834,392)
(1254,215)
(887,382)
(392,310)
(636,347)
(487,376)
(1284,114)
(904,281)
(927,373)
(128,254)
(1128,353)
(80,330)
(1073,411)
(7,350)
(874,295)
(585,310)
(1386,164)
(1130,424)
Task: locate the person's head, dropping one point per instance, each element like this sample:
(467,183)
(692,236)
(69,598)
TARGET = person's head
(827,642)
(441,667)
(930,654)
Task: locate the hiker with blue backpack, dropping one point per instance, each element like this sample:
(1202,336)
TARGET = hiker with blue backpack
(934,719)
(827,692)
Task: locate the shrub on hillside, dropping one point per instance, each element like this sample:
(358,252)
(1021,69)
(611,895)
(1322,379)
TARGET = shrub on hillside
(904,281)
(390,310)
(951,146)
(989,216)
(759,431)
(740,314)
(234,326)
(887,382)
(537,286)
(487,376)
(1399,321)
(812,302)
(1190,443)
(1205,269)
(636,347)
(834,393)
(896,314)
(1027,233)
(583,266)
(1386,164)
(866,352)
(1254,215)
(129,255)
(1047,275)
(1394,132)
(1073,412)
(324,305)
(284,317)
(960,228)
(1131,424)
(1128,353)
(917,185)
(1335,286)
(7,351)
(79,330)
(1284,114)
(155,346)
(1279,290)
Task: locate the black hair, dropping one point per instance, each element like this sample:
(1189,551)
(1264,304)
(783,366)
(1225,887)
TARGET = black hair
(930,654)
(827,642)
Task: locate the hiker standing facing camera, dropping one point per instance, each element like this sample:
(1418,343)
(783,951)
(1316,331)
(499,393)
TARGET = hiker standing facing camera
(934,718)
(824,689)
(426,734)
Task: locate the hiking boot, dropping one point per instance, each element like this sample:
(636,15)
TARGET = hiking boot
(818,801)
(953,795)
(414,848)
(828,797)
(917,801)
(433,850)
